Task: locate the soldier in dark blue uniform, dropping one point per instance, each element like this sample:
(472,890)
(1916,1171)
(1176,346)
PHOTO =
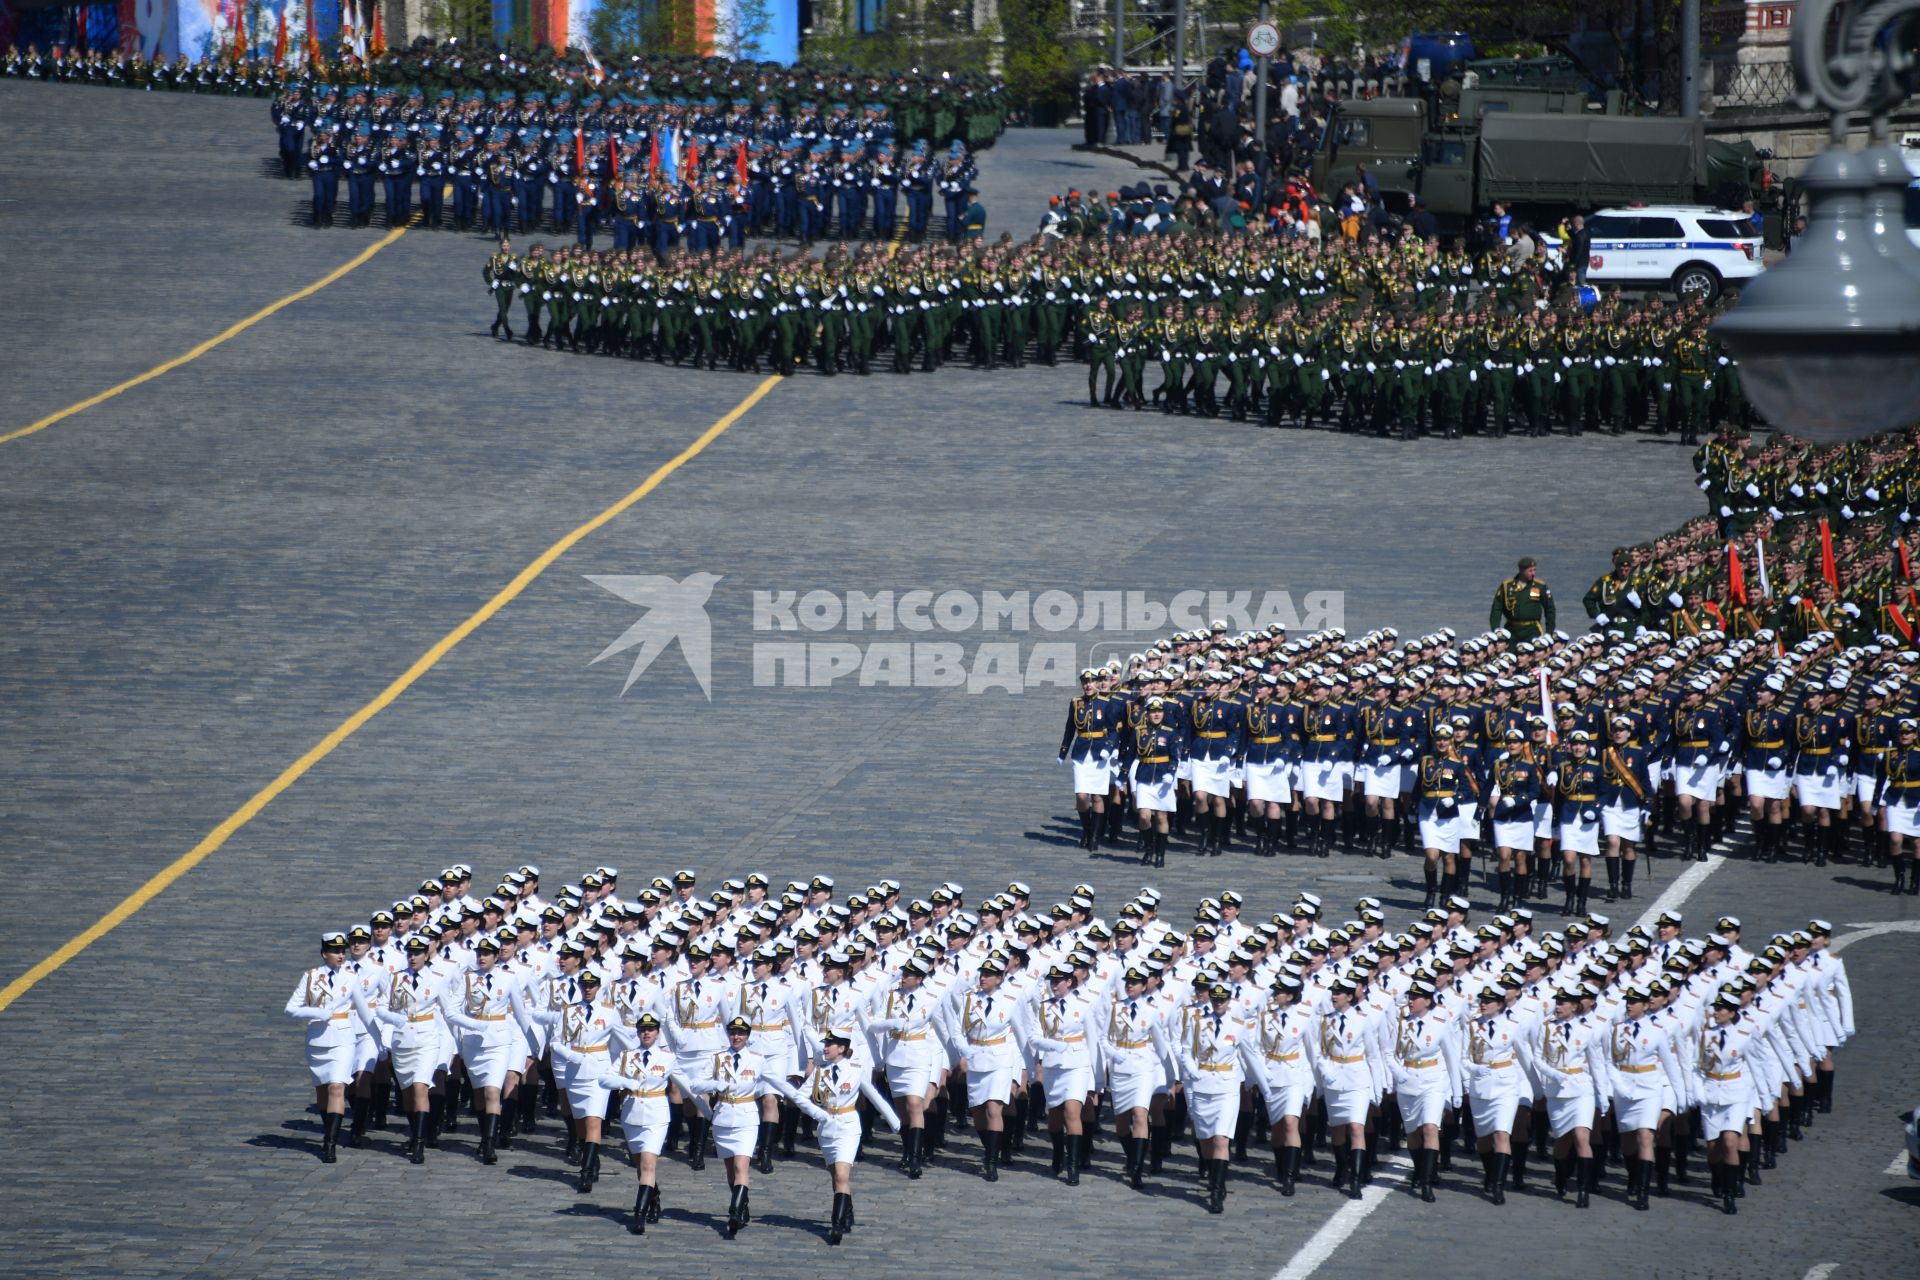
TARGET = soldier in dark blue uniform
(1578,782)
(1766,732)
(1899,799)
(359,162)
(1820,760)
(1446,789)
(1088,742)
(1519,793)
(1326,738)
(1625,790)
(292,115)
(1217,730)
(1156,751)
(323,167)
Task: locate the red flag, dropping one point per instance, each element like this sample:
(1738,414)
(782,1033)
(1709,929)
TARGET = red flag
(579,151)
(80,30)
(653,155)
(280,39)
(693,160)
(239,33)
(1736,576)
(313,38)
(740,164)
(1827,569)
(613,158)
(379,45)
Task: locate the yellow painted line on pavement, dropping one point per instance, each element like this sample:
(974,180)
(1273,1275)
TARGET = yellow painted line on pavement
(352,724)
(358,260)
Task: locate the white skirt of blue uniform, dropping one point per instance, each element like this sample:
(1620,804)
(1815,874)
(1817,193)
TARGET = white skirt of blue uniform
(1092,777)
(1268,782)
(1515,834)
(1581,835)
(1819,789)
(1903,819)
(1865,785)
(1213,777)
(1133,1078)
(1382,781)
(1423,1095)
(1321,780)
(1214,1115)
(1700,781)
(1444,832)
(1769,784)
(1495,1097)
(644,1121)
(1622,819)
(331,1064)
(1156,796)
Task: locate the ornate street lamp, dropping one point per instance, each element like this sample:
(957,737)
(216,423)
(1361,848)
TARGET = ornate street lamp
(1829,341)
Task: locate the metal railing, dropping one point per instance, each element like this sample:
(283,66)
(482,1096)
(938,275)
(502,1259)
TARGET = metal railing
(1753,86)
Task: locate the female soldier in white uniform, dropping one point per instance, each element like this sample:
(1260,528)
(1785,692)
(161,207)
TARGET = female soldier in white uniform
(646,1073)
(1061,1022)
(1497,1072)
(1725,1094)
(830,1093)
(582,1034)
(1646,1073)
(1571,1053)
(1214,1054)
(735,1077)
(1132,1049)
(990,1034)
(482,1013)
(1426,1080)
(416,1034)
(1345,1064)
(909,1046)
(323,999)
(1284,1039)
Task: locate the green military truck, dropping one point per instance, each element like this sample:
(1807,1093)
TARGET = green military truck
(1543,149)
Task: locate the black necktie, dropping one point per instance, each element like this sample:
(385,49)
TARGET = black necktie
(736,1059)
(835,1072)
(1132,1009)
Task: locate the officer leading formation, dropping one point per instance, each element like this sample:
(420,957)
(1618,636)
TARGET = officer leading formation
(739,1016)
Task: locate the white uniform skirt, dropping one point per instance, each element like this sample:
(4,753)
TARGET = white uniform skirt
(1494,1102)
(1719,1118)
(1700,781)
(1214,1115)
(1818,790)
(1422,1095)
(1580,836)
(644,1121)
(1903,819)
(1067,1084)
(1622,820)
(366,1052)
(1287,1093)
(839,1137)
(1865,785)
(1348,1106)
(736,1128)
(778,1054)
(586,1092)
(1768,784)
(417,1065)
(1444,833)
(1638,1110)
(910,1069)
(1321,780)
(488,1063)
(1156,796)
(1213,777)
(1132,1080)
(331,1064)
(1268,782)
(1564,1115)
(1381,780)
(1092,777)
(1517,834)
(990,1080)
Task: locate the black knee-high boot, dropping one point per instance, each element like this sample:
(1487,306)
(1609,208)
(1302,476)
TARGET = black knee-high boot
(836,1223)
(639,1224)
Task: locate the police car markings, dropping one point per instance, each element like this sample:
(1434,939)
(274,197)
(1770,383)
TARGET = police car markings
(352,724)
(1335,1231)
(358,260)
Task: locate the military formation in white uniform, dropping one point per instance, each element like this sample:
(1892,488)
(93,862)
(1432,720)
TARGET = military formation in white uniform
(740,1018)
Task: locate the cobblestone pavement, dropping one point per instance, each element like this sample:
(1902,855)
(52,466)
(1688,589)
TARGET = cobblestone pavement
(206,575)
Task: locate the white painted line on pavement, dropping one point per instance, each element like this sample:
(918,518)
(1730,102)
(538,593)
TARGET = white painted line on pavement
(1898,1167)
(1873,928)
(1346,1220)
(1822,1271)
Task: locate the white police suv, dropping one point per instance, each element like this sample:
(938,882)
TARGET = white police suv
(1689,249)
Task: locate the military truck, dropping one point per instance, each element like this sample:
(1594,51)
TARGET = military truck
(1540,140)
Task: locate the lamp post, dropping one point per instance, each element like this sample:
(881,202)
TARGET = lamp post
(1829,341)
